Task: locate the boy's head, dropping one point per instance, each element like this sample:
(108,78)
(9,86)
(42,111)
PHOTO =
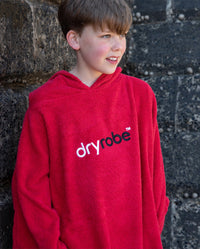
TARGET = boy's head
(113,14)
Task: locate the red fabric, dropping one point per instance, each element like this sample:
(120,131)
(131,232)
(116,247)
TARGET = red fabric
(89,171)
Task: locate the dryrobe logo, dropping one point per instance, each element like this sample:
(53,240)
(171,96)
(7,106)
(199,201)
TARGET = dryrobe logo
(86,149)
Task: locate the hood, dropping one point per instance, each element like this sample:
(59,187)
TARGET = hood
(74,82)
(63,83)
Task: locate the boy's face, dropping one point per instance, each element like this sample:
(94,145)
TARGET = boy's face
(99,51)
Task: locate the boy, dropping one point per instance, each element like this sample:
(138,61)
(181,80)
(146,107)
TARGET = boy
(89,172)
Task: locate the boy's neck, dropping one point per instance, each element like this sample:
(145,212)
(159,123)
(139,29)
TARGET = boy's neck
(85,77)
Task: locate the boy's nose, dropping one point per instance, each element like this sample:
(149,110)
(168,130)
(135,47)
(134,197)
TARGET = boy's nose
(118,43)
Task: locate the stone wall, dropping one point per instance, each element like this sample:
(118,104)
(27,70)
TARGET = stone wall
(163,48)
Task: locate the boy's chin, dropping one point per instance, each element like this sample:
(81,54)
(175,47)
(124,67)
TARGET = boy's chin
(111,70)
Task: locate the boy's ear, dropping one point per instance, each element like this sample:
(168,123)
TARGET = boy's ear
(73,39)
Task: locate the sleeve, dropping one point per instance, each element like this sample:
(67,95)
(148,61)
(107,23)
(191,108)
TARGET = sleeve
(36,223)
(159,182)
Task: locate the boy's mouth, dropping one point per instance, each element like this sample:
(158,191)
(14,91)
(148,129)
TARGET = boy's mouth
(112,60)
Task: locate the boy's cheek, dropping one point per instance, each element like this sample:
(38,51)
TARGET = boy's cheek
(102,51)
(102,48)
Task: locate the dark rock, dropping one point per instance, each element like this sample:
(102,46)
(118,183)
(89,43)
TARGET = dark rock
(186,160)
(190,9)
(186,219)
(6,220)
(12,107)
(188,103)
(164,47)
(155,9)
(165,89)
(31,39)
(16,50)
(166,234)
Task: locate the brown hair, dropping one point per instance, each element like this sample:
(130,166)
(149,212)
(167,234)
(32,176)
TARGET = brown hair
(76,14)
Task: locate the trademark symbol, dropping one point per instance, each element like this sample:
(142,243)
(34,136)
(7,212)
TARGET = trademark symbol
(128,128)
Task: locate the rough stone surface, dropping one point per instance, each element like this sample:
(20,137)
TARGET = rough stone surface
(16,50)
(165,89)
(155,9)
(164,48)
(186,219)
(178,100)
(187,160)
(6,220)
(166,234)
(188,103)
(190,9)
(31,39)
(12,108)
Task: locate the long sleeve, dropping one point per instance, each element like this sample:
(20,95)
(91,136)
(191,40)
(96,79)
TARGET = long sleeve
(36,223)
(159,183)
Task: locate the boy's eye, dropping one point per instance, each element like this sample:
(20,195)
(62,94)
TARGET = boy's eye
(106,36)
